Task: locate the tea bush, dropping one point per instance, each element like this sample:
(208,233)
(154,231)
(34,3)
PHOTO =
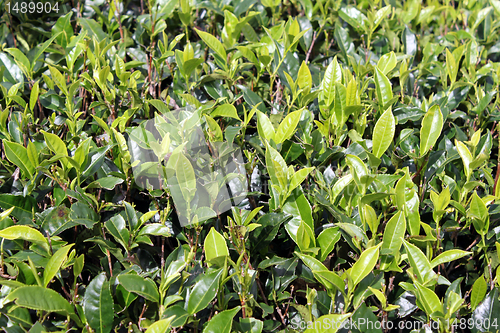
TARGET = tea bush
(357,143)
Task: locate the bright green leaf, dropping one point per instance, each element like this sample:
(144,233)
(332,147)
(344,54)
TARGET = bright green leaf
(383,133)
(215,245)
(430,130)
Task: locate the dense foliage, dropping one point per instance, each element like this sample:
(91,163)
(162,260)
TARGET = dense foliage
(369,136)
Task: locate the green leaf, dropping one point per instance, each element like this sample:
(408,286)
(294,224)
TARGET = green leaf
(298,206)
(247,53)
(265,127)
(59,79)
(78,265)
(383,88)
(304,79)
(213,43)
(32,154)
(440,203)
(379,295)
(270,225)
(34,95)
(352,94)
(313,263)
(42,48)
(40,298)
(102,77)
(13,73)
(451,66)
(57,220)
(18,155)
(204,292)
(365,319)
(191,64)
(147,216)
(253,99)
(357,167)
(330,280)
(364,265)
(393,234)
(479,214)
(388,61)
(400,196)
(21,60)
(81,152)
(327,240)
(62,218)
(369,216)
(419,263)
(302,237)
(108,183)
(215,245)
(93,28)
(161,326)
(21,317)
(409,42)
(276,167)
(452,302)
(131,216)
(354,17)
(413,216)
(98,304)
(136,284)
(55,263)
(428,299)
(25,206)
(383,133)
(225,110)
(159,105)
(55,143)
(339,186)
(298,177)
(214,127)
(251,215)
(448,256)
(5,214)
(287,127)
(333,75)
(103,124)
(430,130)
(116,227)
(251,325)
(466,157)
(26,233)
(156,229)
(339,108)
(185,176)
(124,297)
(181,315)
(487,313)
(222,322)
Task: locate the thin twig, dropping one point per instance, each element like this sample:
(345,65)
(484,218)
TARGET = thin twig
(108,255)
(311,47)
(140,317)
(473,243)
(119,18)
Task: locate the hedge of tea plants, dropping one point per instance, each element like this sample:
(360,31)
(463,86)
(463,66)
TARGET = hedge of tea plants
(368,133)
